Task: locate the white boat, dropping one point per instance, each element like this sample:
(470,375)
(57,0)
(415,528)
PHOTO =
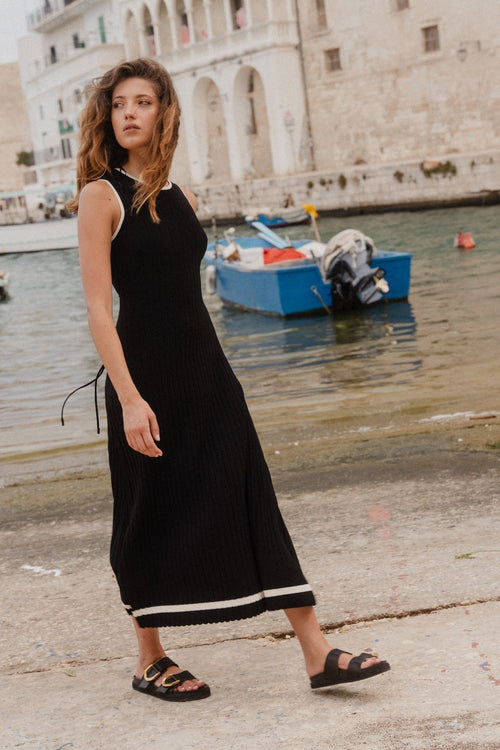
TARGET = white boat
(54,234)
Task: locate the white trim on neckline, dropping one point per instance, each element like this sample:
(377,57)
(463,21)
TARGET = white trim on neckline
(123,171)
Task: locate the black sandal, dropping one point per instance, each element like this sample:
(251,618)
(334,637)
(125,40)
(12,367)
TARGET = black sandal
(334,675)
(167,689)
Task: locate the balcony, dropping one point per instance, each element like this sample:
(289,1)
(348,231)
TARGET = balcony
(85,61)
(49,154)
(245,41)
(53,13)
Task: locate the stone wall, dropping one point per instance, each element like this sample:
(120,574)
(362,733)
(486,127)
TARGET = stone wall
(389,97)
(452,179)
(14,131)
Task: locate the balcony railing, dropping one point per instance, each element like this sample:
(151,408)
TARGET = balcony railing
(244,41)
(51,153)
(49,10)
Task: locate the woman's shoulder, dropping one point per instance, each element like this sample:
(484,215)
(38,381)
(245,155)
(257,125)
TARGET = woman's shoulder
(190,196)
(98,187)
(99,194)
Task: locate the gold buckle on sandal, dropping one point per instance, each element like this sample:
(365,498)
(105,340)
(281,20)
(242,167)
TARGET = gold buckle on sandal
(170,681)
(146,676)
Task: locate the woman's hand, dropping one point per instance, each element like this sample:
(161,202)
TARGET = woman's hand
(141,428)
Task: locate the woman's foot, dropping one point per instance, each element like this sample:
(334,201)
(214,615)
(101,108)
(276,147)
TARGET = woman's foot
(342,667)
(315,663)
(187,686)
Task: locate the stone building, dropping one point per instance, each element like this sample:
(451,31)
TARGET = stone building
(346,104)
(391,80)
(14,134)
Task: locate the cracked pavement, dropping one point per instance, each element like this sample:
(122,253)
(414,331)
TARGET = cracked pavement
(402,551)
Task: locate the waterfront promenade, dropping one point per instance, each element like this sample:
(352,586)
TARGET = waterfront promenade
(399,537)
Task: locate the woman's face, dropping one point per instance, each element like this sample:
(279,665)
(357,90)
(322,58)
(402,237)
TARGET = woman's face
(134,111)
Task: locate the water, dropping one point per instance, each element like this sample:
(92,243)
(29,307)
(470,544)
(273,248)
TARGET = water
(309,378)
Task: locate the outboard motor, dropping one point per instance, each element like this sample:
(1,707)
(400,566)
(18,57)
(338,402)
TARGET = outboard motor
(346,265)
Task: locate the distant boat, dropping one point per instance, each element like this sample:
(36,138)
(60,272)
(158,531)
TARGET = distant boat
(4,286)
(305,277)
(282,217)
(54,234)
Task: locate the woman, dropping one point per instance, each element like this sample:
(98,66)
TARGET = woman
(197,533)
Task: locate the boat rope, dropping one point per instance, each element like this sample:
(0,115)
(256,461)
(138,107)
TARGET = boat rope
(314,290)
(94,381)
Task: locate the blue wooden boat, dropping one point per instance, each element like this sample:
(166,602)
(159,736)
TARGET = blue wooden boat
(291,288)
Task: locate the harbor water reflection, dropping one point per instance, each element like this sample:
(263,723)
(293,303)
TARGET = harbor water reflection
(434,352)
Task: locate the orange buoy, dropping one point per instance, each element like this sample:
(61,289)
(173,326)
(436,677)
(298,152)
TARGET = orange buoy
(464,240)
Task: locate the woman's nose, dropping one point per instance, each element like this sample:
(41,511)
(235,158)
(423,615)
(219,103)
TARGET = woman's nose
(130,110)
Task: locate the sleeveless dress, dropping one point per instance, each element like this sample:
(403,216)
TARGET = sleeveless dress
(197,533)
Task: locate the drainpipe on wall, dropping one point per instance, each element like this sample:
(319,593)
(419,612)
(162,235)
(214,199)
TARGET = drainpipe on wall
(304,86)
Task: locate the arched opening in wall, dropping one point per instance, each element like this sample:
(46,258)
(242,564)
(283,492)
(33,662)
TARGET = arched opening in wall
(149,32)
(252,123)
(182,24)
(238,14)
(211,132)
(132,37)
(166,43)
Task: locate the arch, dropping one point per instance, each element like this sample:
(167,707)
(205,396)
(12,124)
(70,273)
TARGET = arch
(250,114)
(211,132)
(132,37)
(182,23)
(149,31)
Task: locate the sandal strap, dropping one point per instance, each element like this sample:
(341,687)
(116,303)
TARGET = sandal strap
(173,680)
(332,660)
(152,672)
(357,661)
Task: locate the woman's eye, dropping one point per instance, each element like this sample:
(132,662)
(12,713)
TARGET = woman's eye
(144,101)
(116,105)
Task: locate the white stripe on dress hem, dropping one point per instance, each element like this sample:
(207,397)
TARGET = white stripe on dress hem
(224,604)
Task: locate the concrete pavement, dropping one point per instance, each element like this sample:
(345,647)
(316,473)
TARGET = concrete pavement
(402,554)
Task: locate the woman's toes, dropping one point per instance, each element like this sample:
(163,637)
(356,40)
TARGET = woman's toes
(370,662)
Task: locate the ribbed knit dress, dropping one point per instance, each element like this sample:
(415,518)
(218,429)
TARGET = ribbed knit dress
(197,533)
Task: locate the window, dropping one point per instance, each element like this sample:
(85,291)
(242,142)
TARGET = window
(321,15)
(252,126)
(60,105)
(184,27)
(402,4)
(76,42)
(332,60)
(102,29)
(40,110)
(431,38)
(238,12)
(66,148)
(53,55)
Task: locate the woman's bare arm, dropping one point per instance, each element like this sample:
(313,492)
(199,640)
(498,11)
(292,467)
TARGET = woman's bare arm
(98,214)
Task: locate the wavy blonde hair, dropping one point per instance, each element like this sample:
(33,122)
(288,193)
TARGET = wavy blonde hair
(99,150)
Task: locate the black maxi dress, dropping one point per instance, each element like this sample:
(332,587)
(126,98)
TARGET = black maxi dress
(197,533)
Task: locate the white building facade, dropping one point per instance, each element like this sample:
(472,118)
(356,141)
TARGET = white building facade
(70,44)
(237,71)
(346,104)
